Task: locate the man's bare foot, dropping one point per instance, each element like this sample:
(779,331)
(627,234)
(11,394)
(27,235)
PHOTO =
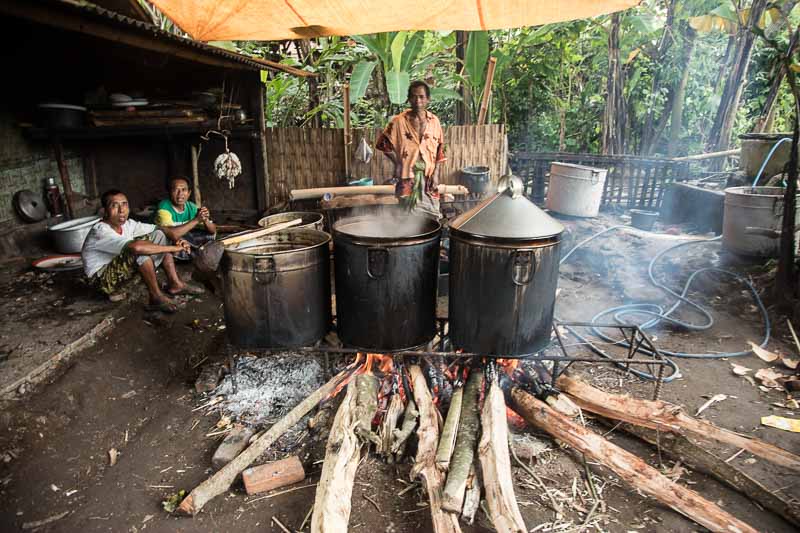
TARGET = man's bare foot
(163,304)
(186,288)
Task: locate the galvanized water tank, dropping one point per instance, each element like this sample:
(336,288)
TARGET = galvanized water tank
(575,190)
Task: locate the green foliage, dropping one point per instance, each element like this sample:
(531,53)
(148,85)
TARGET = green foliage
(359,79)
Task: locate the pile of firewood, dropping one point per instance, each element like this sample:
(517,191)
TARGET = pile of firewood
(462,451)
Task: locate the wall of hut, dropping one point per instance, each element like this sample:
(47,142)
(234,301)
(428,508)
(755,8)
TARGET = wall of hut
(304,158)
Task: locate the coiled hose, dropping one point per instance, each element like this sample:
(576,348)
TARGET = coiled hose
(657,314)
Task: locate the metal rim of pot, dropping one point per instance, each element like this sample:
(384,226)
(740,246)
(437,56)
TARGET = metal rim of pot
(325,238)
(389,241)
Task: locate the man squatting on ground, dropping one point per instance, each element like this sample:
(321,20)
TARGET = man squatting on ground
(118,247)
(414,142)
(183,216)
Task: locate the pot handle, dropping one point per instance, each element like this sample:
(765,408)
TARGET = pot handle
(264,270)
(523,267)
(595,177)
(377,261)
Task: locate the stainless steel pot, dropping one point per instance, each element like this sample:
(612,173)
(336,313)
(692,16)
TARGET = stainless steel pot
(309,219)
(68,236)
(386,274)
(277,289)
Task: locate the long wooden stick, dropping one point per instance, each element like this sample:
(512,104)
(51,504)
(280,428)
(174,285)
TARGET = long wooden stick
(665,416)
(487,90)
(699,459)
(425,465)
(220,482)
(448,439)
(342,453)
(626,465)
(496,465)
(466,442)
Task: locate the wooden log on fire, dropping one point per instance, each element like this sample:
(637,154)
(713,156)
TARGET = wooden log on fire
(425,465)
(629,467)
(386,433)
(220,482)
(496,464)
(668,417)
(400,436)
(448,439)
(366,407)
(472,496)
(342,454)
(466,441)
(701,460)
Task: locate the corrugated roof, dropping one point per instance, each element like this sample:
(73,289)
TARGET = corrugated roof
(96,13)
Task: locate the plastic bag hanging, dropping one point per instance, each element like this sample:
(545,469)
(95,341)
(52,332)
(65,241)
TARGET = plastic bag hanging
(363,152)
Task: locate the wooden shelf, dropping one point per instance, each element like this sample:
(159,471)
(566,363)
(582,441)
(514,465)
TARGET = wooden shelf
(108,132)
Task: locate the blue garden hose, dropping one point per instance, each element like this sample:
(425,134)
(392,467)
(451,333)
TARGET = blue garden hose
(657,314)
(769,156)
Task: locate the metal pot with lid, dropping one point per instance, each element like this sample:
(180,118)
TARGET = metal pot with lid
(504,257)
(386,275)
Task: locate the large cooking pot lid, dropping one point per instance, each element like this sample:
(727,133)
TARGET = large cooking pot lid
(507,215)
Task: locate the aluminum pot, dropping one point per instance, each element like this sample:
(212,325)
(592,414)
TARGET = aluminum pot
(277,289)
(309,219)
(68,236)
(504,257)
(386,274)
(750,214)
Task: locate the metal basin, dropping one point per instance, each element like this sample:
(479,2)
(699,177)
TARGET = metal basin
(277,289)
(68,236)
(308,219)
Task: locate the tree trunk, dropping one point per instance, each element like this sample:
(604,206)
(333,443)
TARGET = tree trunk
(614,115)
(661,51)
(785,278)
(720,136)
(462,107)
(676,121)
(764,121)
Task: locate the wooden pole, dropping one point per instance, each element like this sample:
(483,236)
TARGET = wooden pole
(466,441)
(487,90)
(627,466)
(425,464)
(346,95)
(198,198)
(64,173)
(220,482)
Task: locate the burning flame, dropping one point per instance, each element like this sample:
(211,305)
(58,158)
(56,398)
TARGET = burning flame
(514,419)
(364,364)
(508,365)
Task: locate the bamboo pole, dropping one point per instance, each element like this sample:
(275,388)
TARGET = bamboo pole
(449,431)
(487,90)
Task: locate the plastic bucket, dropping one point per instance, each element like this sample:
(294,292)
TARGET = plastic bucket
(643,219)
(575,190)
(476,179)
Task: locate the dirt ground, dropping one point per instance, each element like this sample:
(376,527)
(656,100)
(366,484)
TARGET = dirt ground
(134,391)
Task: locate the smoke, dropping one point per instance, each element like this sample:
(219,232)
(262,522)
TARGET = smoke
(386,222)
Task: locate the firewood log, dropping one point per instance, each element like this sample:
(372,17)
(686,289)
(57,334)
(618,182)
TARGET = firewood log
(393,413)
(496,465)
(472,496)
(342,454)
(401,435)
(220,482)
(366,407)
(466,441)
(425,465)
(627,466)
(665,416)
(449,431)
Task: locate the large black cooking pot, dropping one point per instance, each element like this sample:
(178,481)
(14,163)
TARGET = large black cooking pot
(504,257)
(278,289)
(386,273)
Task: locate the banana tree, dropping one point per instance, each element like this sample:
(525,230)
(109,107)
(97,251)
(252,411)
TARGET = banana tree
(396,51)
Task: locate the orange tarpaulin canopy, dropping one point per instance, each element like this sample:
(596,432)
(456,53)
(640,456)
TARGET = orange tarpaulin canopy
(265,20)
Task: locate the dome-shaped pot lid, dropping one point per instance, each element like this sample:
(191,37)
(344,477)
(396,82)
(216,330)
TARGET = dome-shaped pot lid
(507,215)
